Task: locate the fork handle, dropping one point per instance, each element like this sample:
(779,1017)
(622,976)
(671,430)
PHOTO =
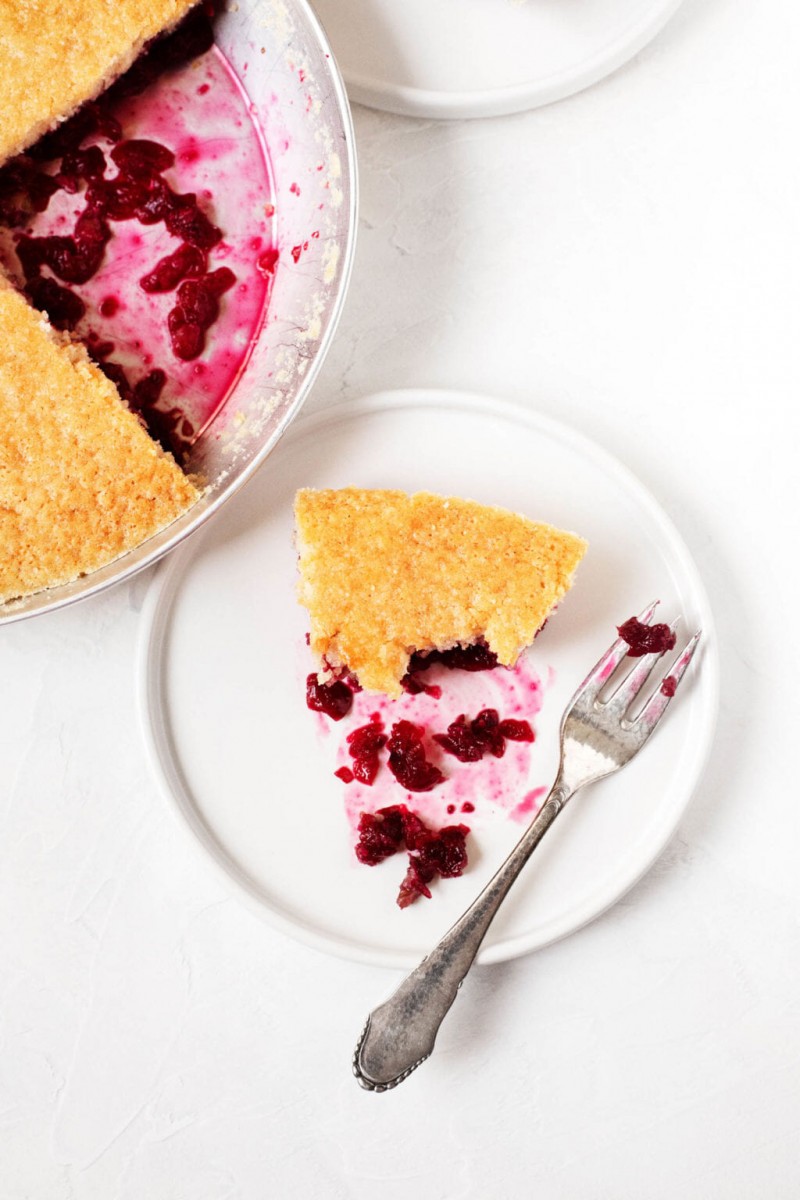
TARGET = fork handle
(400,1034)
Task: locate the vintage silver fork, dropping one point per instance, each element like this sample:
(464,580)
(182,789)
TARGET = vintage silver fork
(597,738)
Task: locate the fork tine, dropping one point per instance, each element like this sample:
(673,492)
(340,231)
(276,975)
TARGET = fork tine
(637,677)
(655,708)
(605,668)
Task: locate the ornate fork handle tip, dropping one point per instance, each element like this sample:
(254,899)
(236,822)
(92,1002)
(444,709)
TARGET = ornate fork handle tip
(371,1085)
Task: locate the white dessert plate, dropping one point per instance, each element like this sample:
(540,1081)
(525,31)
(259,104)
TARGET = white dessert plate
(483,58)
(249,769)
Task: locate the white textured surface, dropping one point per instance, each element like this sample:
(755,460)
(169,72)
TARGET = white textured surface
(628,262)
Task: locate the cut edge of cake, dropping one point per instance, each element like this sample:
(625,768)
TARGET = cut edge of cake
(81,481)
(384,574)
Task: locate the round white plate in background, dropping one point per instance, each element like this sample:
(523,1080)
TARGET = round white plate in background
(483,58)
(250,773)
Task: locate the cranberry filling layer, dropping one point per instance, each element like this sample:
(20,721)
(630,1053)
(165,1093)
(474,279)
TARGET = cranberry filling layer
(477,657)
(645,639)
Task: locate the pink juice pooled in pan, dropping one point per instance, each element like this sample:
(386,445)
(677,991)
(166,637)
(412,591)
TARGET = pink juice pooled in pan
(200,114)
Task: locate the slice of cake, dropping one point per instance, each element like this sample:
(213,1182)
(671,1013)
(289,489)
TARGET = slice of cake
(81,481)
(384,574)
(54,57)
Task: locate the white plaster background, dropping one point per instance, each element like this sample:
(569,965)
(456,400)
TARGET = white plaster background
(628,261)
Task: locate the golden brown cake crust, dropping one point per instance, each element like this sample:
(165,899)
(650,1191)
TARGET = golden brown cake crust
(57,54)
(383,574)
(81,481)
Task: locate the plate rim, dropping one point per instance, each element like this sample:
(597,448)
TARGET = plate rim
(430,103)
(155,614)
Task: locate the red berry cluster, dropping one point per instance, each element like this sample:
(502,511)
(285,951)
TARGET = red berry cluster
(430,852)
(468,741)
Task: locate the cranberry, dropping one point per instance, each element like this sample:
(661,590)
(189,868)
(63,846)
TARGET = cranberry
(170,270)
(365,744)
(468,742)
(431,853)
(460,741)
(116,374)
(143,397)
(486,728)
(443,853)
(121,198)
(78,165)
(24,190)
(380,835)
(185,220)
(89,121)
(268,261)
(516,731)
(170,427)
(140,156)
(196,310)
(148,390)
(415,883)
(98,350)
(40,189)
(187,337)
(645,639)
(62,306)
(407,760)
(414,687)
(73,259)
(333,699)
(414,828)
(669,686)
(156,202)
(446,851)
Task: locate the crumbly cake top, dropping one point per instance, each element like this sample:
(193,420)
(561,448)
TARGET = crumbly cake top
(81,481)
(384,573)
(56,54)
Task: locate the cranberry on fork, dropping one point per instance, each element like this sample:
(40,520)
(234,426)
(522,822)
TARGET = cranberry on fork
(646,639)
